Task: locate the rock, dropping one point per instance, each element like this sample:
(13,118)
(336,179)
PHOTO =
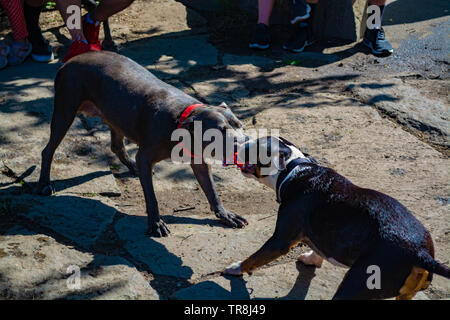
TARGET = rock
(343,19)
(197,245)
(79,219)
(290,281)
(35,266)
(180,54)
(410,107)
(78,166)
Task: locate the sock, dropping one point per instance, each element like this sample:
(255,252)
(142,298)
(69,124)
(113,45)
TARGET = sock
(32,16)
(89,20)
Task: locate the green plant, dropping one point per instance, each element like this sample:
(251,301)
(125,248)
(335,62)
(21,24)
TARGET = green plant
(50,5)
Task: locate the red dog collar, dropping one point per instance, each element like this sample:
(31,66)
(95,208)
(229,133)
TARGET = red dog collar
(183,117)
(186,113)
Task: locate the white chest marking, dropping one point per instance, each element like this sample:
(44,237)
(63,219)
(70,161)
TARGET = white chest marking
(270,181)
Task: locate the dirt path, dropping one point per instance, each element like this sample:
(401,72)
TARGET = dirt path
(381,122)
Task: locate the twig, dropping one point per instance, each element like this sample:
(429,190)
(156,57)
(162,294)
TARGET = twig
(183,209)
(266,217)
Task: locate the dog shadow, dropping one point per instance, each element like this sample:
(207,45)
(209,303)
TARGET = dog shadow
(19,185)
(301,287)
(240,290)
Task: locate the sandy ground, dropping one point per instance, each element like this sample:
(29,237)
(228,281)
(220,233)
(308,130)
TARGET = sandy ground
(383,123)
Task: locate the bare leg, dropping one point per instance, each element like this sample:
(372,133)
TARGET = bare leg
(107,8)
(265,10)
(378,2)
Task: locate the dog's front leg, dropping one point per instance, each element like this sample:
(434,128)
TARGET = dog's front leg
(156,226)
(203,175)
(271,250)
(287,234)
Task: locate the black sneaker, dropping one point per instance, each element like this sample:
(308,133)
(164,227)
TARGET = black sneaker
(377,43)
(300,11)
(41,52)
(300,38)
(261,37)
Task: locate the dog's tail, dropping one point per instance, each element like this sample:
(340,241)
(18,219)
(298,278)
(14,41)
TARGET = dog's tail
(426,261)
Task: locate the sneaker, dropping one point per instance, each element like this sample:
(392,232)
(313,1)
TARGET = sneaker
(41,52)
(19,52)
(261,37)
(375,40)
(4,51)
(76,48)
(299,39)
(300,10)
(91,30)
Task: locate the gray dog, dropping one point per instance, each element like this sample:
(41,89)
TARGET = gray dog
(137,105)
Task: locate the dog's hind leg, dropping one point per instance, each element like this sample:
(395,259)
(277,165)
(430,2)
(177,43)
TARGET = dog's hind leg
(156,226)
(311,258)
(65,109)
(416,281)
(118,148)
(378,274)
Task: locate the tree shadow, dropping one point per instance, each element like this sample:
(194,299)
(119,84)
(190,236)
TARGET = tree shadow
(187,66)
(91,226)
(410,11)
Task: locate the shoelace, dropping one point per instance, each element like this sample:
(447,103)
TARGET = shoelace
(381,35)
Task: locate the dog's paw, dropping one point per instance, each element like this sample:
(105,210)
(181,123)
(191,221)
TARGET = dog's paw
(311,258)
(231,219)
(46,190)
(234,269)
(158,229)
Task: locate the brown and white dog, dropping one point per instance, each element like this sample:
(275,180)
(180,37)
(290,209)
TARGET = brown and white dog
(345,224)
